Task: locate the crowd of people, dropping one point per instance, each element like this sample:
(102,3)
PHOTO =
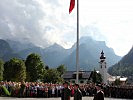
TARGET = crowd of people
(48,90)
(119,92)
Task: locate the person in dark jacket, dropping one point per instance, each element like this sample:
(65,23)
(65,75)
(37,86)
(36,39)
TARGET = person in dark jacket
(66,92)
(77,93)
(99,95)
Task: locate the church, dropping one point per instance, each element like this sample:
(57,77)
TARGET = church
(103,68)
(84,76)
(106,78)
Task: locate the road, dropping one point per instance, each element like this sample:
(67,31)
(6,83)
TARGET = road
(84,98)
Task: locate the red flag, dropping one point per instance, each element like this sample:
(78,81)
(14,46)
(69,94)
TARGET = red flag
(72,4)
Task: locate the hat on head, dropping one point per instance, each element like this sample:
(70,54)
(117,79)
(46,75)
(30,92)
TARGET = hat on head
(77,85)
(99,85)
(66,83)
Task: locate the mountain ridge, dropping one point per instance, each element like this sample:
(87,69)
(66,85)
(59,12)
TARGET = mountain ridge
(55,54)
(89,54)
(124,67)
(6,51)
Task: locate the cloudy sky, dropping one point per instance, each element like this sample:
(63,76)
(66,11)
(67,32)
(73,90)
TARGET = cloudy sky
(44,22)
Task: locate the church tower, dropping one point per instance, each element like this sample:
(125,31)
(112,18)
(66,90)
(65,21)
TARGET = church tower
(103,68)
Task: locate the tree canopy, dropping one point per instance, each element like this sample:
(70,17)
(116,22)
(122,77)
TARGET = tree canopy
(52,76)
(61,69)
(15,70)
(1,69)
(96,77)
(34,67)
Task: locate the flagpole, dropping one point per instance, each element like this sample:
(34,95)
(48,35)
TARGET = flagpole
(77,49)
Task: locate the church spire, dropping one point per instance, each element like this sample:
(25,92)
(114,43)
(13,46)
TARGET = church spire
(102,55)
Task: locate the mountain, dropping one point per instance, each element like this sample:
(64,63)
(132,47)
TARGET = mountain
(52,55)
(55,54)
(4,48)
(124,67)
(24,53)
(17,46)
(6,52)
(128,59)
(89,53)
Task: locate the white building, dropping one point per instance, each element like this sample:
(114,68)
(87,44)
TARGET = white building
(103,68)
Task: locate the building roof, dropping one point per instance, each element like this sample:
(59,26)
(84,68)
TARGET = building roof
(72,75)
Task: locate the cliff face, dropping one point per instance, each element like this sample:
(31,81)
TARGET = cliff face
(124,67)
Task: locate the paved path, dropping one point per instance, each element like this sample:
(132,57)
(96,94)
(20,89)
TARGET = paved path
(84,98)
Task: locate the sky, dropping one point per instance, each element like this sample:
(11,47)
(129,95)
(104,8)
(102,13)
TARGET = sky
(44,22)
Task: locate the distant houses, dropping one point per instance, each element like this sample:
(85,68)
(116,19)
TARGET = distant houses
(84,76)
(113,79)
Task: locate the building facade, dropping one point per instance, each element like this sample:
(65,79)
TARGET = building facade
(70,76)
(103,68)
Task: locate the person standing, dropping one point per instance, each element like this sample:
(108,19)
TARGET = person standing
(100,94)
(77,93)
(46,91)
(53,91)
(66,92)
(22,89)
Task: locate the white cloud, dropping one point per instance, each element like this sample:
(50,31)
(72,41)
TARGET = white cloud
(109,20)
(44,22)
